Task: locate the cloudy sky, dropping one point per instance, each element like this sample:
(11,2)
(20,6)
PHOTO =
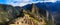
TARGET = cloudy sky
(23,2)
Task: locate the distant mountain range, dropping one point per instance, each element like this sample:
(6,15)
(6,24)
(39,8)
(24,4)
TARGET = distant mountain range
(13,12)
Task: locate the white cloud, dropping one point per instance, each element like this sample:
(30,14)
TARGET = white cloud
(48,1)
(18,2)
(25,2)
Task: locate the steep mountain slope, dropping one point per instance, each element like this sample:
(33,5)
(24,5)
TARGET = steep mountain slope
(7,13)
(34,13)
(33,17)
